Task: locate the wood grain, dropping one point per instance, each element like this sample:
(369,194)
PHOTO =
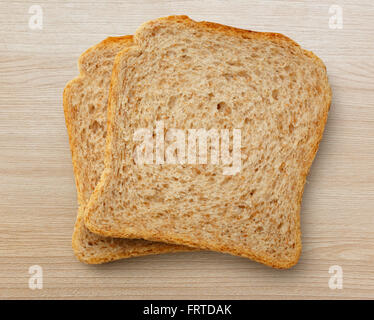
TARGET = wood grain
(37,193)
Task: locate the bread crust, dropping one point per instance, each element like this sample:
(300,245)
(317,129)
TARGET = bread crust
(170,237)
(102,249)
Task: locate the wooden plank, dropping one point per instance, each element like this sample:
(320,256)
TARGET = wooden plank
(37,193)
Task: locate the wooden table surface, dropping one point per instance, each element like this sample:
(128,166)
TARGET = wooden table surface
(37,193)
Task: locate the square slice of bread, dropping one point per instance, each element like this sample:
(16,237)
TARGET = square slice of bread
(202,75)
(85,106)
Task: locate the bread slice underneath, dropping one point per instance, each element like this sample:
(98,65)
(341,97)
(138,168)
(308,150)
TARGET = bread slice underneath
(85,107)
(204,75)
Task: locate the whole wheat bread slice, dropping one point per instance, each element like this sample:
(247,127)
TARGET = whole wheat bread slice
(85,106)
(205,75)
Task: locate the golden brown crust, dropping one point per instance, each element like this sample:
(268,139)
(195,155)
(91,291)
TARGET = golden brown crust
(114,248)
(172,238)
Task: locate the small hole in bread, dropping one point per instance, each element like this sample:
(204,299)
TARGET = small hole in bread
(94,126)
(274,94)
(221,106)
(91,108)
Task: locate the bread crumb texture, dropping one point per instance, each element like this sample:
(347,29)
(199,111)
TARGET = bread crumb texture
(85,106)
(204,75)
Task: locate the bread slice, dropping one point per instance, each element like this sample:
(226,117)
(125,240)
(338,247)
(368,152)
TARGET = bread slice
(202,75)
(85,107)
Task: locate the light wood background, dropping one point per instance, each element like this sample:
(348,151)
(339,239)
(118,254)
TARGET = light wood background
(37,192)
